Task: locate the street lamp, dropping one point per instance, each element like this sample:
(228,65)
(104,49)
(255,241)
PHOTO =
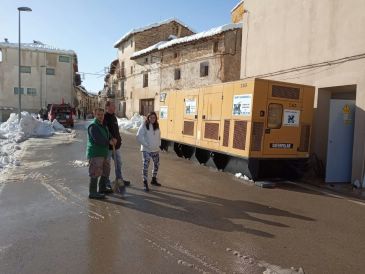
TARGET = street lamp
(19,83)
(41,89)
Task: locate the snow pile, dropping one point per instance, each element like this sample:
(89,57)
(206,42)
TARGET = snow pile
(242,176)
(7,153)
(57,126)
(12,132)
(133,124)
(166,44)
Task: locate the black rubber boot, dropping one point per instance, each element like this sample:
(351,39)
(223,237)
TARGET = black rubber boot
(102,186)
(146,188)
(93,193)
(154,182)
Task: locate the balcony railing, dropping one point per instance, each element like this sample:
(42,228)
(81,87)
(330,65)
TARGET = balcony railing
(121,73)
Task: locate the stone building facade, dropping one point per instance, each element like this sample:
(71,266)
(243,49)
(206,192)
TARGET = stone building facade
(136,82)
(86,102)
(319,43)
(200,59)
(203,61)
(48,76)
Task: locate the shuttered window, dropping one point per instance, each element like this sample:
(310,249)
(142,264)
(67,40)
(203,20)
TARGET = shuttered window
(204,69)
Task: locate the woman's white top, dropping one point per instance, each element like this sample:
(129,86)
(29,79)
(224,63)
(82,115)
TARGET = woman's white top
(149,139)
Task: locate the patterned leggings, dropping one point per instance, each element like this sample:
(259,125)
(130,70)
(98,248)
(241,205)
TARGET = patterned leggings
(146,156)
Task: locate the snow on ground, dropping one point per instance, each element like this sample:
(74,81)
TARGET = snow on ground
(12,133)
(242,176)
(79,163)
(130,125)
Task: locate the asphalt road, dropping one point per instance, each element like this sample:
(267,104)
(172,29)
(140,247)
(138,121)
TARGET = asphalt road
(200,220)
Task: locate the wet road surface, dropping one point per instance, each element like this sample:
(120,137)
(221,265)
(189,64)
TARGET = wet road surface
(200,220)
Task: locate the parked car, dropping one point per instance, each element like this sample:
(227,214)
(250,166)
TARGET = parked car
(63,113)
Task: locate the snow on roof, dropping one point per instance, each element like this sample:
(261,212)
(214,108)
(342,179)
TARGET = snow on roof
(154,25)
(83,89)
(149,49)
(236,6)
(205,34)
(37,47)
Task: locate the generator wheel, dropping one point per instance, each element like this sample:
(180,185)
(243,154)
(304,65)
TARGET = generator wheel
(177,149)
(202,155)
(220,160)
(164,145)
(187,151)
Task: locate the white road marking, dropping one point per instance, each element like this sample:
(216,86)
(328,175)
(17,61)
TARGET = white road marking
(328,193)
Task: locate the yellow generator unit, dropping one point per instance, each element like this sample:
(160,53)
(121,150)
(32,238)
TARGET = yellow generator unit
(258,127)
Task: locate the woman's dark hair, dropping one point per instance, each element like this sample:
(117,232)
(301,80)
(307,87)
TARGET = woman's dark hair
(147,123)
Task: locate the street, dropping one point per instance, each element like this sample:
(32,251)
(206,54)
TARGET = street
(200,220)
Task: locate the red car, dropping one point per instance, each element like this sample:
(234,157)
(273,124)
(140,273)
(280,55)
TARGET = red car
(63,113)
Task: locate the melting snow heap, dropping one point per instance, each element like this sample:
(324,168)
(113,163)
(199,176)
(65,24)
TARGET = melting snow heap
(12,132)
(133,124)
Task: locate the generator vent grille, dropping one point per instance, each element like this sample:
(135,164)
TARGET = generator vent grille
(211,131)
(188,128)
(285,92)
(304,138)
(257,133)
(227,124)
(239,135)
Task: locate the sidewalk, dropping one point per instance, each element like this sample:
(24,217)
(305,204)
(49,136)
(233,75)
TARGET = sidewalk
(345,189)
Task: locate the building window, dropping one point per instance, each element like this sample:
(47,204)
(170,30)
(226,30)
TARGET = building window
(131,43)
(131,69)
(50,71)
(31,91)
(1,55)
(176,54)
(16,90)
(145,80)
(122,88)
(122,48)
(204,69)
(64,59)
(177,74)
(131,96)
(24,69)
(146,60)
(215,46)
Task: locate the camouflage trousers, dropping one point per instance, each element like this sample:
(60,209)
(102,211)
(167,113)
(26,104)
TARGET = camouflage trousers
(147,156)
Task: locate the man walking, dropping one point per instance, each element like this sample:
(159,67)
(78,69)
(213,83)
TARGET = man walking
(111,122)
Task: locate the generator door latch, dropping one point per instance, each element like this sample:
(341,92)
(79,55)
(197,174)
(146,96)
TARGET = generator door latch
(267,131)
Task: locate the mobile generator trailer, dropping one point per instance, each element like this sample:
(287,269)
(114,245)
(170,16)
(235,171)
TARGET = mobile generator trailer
(257,127)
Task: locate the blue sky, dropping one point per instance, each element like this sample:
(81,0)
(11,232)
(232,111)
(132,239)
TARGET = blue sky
(91,27)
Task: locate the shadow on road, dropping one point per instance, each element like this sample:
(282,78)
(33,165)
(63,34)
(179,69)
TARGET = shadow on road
(203,210)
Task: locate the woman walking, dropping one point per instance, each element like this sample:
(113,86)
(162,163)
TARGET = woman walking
(149,137)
